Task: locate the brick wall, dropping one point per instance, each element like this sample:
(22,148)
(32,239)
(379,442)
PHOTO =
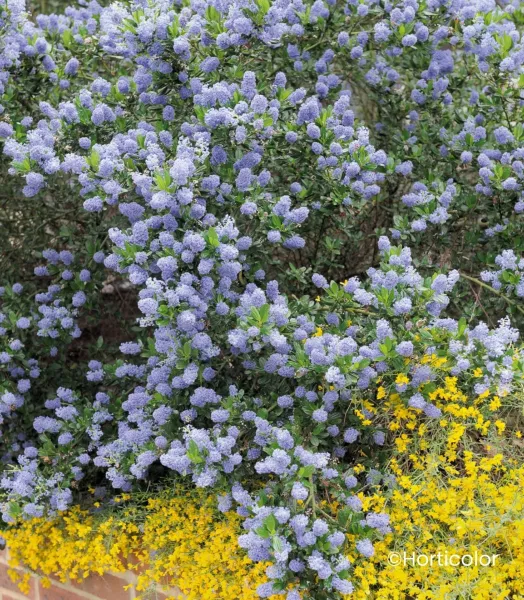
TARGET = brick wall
(107,587)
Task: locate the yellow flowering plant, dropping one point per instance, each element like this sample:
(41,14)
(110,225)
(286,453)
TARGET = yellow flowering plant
(169,541)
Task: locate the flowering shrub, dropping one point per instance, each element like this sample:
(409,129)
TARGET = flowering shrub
(274,184)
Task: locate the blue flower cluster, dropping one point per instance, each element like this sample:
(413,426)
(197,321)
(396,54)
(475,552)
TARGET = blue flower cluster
(510,274)
(216,146)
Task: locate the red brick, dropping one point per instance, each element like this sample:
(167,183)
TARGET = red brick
(106,587)
(58,593)
(168,596)
(135,565)
(8,585)
(162,593)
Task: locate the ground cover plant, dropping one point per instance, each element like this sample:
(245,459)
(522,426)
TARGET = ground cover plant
(264,258)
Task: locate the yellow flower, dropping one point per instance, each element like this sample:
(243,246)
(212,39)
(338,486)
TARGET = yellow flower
(495,403)
(401,379)
(500,425)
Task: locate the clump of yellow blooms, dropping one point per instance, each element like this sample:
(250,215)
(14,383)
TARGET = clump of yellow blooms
(197,550)
(458,494)
(179,542)
(480,511)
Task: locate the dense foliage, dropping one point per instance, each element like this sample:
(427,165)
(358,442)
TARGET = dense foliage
(242,242)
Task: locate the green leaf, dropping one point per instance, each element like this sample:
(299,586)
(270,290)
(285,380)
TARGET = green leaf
(344,516)
(263,6)
(305,472)
(270,523)
(264,313)
(67,38)
(193,453)
(263,532)
(276,543)
(23,166)
(462,324)
(94,160)
(212,237)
